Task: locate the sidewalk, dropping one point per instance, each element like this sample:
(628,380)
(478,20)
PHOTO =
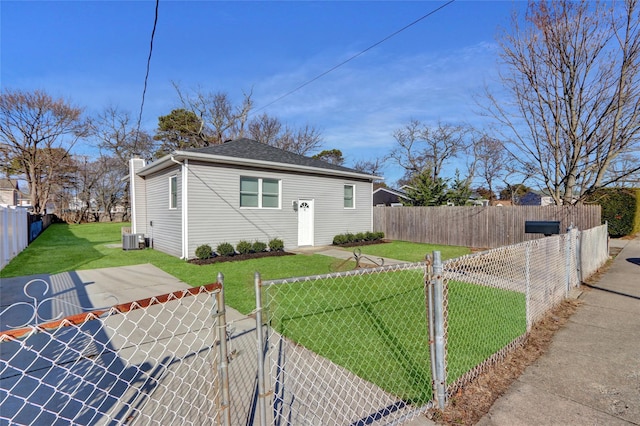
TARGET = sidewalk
(591,372)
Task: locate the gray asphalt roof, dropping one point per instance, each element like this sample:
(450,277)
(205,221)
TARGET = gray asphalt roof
(254,150)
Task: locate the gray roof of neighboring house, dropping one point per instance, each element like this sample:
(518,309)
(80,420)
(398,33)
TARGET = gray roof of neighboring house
(250,152)
(397,192)
(8,184)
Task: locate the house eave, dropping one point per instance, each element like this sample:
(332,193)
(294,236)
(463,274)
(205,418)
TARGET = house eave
(391,191)
(166,161)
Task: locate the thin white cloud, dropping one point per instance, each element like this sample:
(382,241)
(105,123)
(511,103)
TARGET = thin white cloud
(359,105)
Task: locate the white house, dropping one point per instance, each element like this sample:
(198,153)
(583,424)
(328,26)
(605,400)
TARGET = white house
(9,192)
(245,190)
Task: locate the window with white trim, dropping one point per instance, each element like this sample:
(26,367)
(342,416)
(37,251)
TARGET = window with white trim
(349,197)
(259,193)
(173,192)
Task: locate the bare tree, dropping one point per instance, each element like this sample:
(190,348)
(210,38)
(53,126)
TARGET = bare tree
(271,131)
(265,129)
(37,133)
(109,189)
(220,119)
(118,136)
(87,174)
(491,161)
(572,70)
(372,167)
(301,141)
(420,147)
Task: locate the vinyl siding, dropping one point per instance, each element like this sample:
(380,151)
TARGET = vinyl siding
(166,232)
(215,215)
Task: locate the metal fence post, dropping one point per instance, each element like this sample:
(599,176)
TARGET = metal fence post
(428,288)
(262,403)
(567,260)
(527,278)
(225,408)
(440,379)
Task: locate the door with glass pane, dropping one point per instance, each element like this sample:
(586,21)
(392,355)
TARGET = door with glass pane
(305,222)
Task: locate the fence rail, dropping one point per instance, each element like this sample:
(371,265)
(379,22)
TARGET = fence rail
(485,227)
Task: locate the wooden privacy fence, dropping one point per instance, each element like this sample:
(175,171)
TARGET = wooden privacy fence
(483,227)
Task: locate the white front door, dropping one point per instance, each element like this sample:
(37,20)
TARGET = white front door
(305,222)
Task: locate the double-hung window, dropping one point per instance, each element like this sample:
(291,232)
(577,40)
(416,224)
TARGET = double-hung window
(173,192)
(349,196)
(259,193)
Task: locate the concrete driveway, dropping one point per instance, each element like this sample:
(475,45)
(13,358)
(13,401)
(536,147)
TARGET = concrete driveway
(74,292)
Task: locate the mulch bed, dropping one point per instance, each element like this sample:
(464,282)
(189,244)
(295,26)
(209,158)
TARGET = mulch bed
(239,257)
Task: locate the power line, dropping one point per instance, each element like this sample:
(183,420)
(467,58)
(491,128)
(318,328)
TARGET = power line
(146,76)
(319,76)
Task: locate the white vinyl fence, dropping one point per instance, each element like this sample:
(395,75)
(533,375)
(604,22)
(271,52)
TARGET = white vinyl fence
(13,233)
(593,246)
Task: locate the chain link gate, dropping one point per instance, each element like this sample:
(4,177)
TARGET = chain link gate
(348,348)
(154,361)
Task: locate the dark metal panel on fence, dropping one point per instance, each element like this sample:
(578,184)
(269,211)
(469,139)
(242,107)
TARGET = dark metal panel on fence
(485,227)
(36,224)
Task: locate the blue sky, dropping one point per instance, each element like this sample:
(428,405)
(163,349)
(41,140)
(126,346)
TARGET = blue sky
(94,54)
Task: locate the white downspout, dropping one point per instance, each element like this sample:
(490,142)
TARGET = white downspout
(132,194)
(371,206)
(185,208)
(183,211)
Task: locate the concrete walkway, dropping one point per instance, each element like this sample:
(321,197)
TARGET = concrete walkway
(591,373)
(347,254)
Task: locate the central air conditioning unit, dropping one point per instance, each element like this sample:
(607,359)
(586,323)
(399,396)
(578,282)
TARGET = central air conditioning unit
(133,241)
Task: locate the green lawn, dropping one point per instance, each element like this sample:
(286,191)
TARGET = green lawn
(412,252)
(64,247)
(372,324)
(375,326)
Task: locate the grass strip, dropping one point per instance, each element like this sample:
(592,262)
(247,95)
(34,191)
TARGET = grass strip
(412,252)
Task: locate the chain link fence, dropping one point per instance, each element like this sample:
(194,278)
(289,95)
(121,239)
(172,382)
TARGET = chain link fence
(153,361)
(380,346)
(364,347)
(494,298)
(348,348)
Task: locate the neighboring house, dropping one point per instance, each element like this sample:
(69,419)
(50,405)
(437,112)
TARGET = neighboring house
(388,197)
(9,192)
(245,190)
(535,198)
